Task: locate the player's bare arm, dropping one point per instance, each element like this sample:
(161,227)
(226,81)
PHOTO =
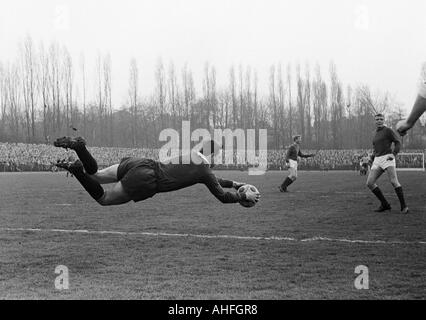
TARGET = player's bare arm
(419,106)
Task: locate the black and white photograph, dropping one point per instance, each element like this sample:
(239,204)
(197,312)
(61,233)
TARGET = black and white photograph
(227,152)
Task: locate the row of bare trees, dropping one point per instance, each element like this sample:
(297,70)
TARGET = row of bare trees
(44,93)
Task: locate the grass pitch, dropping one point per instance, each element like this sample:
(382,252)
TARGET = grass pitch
(187,245)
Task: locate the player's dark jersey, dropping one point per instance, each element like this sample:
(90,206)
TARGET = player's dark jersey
(382,142)
(170,177)
(294,151)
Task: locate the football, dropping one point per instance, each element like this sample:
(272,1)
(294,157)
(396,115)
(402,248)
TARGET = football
(244,189)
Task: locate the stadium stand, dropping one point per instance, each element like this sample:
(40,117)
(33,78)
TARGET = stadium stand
(39,157)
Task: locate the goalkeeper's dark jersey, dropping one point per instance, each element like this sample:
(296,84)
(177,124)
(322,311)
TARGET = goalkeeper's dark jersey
(138,175)
(177,176)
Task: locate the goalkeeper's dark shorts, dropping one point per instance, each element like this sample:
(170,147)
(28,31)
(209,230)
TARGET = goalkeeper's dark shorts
(138,177)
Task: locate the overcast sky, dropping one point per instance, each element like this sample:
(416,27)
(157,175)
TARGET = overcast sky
(380,43)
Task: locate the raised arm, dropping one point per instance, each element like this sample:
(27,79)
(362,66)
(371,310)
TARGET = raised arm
(300,154)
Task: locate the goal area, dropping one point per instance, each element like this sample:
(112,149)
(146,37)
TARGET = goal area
(413,161)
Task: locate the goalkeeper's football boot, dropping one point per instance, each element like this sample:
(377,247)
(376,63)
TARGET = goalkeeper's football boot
(75,167)
(383,207)
(70,142)
(405,210)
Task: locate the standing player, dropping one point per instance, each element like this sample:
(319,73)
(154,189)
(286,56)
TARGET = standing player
(138,179)
(291,160)
(364,165)
(383,158)
(419,106)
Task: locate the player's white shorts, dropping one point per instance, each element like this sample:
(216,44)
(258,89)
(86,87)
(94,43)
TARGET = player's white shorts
(383,162)
(292,164)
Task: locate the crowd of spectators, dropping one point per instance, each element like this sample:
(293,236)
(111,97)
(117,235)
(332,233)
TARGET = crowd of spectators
(40,157)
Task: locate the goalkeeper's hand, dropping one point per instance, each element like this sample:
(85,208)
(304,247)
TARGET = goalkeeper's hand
(236,185)
(251,196)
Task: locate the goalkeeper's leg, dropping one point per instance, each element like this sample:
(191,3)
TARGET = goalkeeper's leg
(114,196)
(107,175)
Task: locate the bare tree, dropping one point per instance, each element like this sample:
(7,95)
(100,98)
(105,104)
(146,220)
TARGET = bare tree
(108,98)
(241,96)
(3,102)
(172,93)
(160,90)
(300,100)
(44,88)
(255,101)
(281,108)
(232,89)
(336,106)
(83,84)
(100,102)
(248,100)
(133,95)
(307,101)
(273,104)
(29,82)
(55,87)
(68,88)
(14,95)
(290,106)
(188,92)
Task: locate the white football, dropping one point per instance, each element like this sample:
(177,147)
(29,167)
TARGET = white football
(244,189)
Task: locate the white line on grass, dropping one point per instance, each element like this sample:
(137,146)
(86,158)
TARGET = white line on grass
(207,236)
(339,192)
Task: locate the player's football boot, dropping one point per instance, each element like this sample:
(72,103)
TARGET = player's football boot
(405,210)
(282,189)
(69,142)
(72,167)
(383,207)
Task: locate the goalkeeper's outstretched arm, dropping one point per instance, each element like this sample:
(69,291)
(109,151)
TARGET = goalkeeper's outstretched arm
(230,184)
(215,187)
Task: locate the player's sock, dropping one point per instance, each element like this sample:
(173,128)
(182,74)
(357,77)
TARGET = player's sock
(89,163)
(400,195)
(91,185)
(286,183)
(378,193)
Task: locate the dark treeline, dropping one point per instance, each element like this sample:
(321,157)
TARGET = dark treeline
(44,94)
